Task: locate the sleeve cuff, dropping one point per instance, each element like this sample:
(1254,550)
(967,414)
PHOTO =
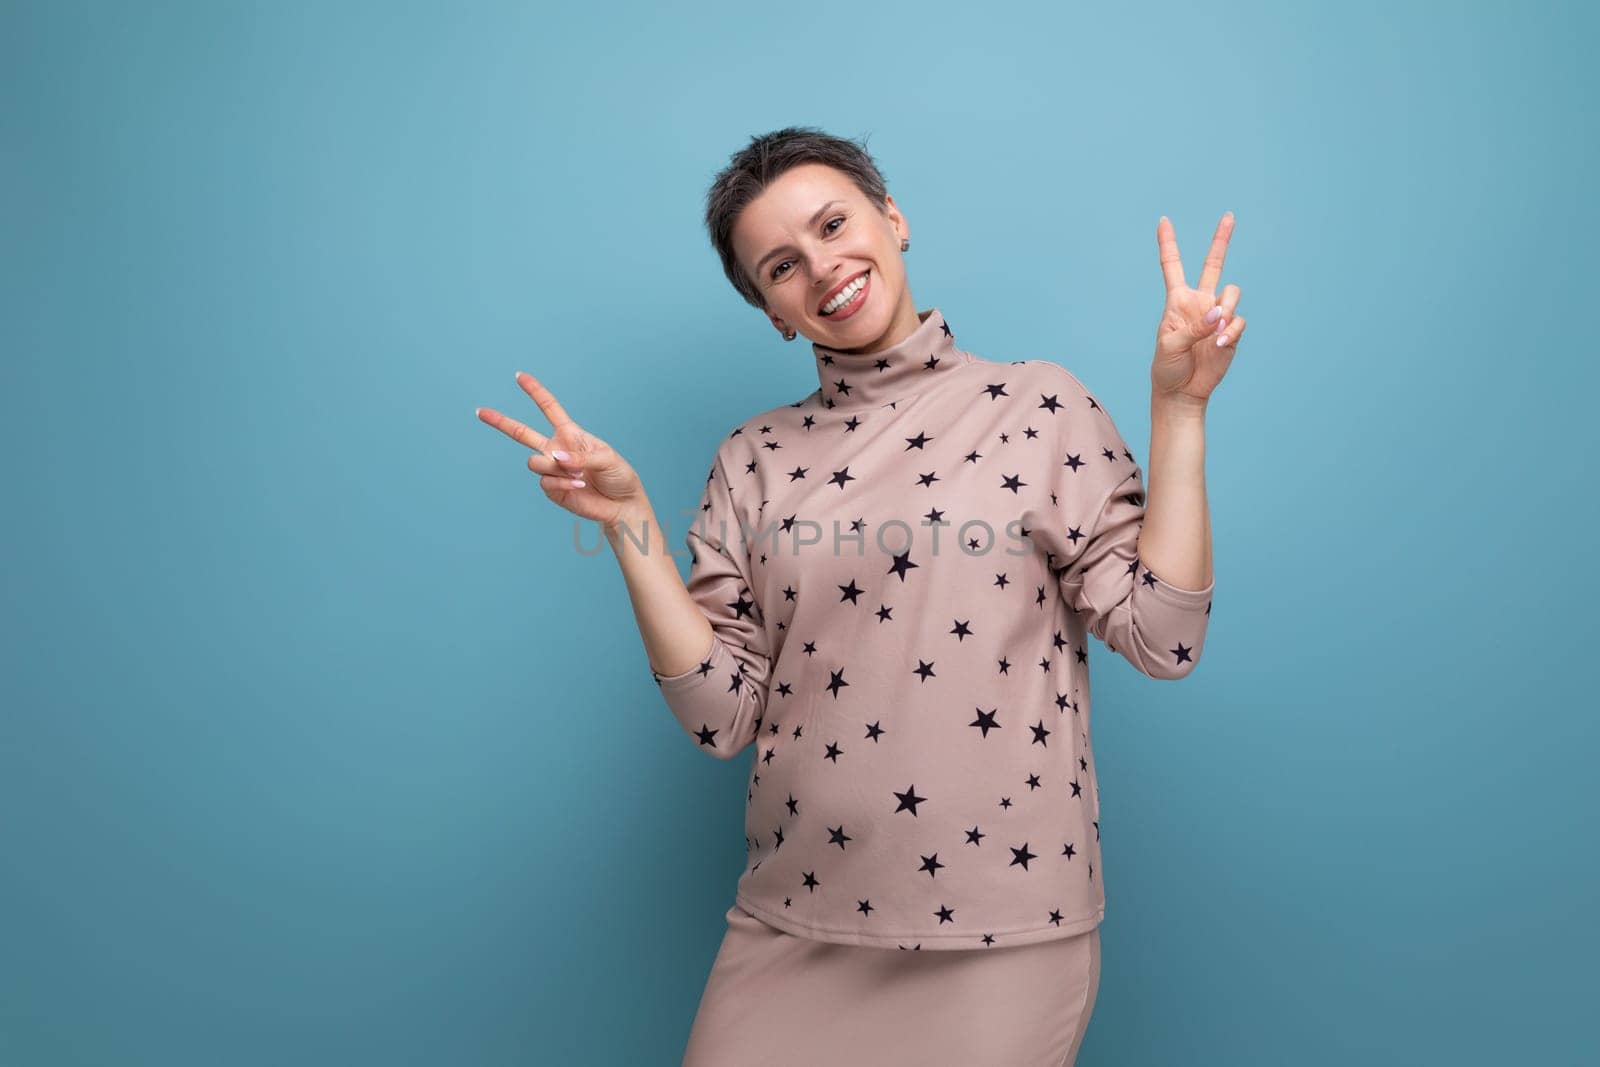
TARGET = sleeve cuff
(696,674)
(1176,595)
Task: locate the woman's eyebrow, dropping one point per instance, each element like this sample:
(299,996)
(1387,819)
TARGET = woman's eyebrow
(782,248)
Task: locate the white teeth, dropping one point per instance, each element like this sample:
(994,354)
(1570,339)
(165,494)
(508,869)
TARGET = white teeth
(845,296)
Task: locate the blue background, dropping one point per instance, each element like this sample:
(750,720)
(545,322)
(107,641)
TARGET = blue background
(323,743)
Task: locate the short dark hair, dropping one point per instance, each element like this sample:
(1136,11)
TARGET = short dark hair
(751,169)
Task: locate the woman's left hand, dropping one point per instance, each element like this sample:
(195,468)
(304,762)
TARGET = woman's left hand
(1189,359)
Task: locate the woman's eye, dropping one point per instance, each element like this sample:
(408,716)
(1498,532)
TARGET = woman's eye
(837,218)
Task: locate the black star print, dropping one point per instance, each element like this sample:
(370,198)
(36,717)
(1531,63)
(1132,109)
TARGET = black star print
(772,577)
(986,721)
(902,563)
(909,800)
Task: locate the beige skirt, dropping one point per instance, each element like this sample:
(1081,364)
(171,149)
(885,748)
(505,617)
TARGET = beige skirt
(777,1000)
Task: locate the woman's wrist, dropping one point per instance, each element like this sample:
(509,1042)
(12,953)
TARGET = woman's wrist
(635,523)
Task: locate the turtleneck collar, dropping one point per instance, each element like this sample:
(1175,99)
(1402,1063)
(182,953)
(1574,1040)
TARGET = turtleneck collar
(875,379)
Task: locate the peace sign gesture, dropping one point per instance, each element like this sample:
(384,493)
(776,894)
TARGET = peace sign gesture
(1198,335)
(593,480)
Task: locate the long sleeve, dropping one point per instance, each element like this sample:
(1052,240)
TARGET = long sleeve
(1090,533)
(720,701)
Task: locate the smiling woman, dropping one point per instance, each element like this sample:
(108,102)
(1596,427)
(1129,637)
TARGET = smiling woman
(893,736)
(797,218)
(925,778)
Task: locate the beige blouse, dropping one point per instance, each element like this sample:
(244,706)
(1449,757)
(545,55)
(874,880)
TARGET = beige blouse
(901,572)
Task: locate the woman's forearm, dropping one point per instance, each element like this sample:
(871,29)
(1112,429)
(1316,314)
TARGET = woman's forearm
(1176,540)
(676,633)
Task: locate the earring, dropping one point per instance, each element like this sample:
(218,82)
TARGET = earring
(789,336)
(905,244)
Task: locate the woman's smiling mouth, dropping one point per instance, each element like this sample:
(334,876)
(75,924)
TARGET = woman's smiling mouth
(853,294)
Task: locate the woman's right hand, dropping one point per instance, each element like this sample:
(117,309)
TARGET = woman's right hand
(609,485)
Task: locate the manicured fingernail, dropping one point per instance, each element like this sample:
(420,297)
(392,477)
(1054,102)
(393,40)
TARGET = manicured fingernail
(577,483)
(1211,316)
(1222,339)
(556,452)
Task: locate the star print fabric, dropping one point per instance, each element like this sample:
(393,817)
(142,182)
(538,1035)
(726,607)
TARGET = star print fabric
(901,572)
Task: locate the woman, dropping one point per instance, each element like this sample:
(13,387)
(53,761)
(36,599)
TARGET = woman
(891,586)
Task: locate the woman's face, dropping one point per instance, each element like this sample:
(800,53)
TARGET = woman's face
(808,233)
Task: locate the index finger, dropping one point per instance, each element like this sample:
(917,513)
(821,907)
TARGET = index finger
(523,435)
(547,403)
(1211,273)
(1171,265)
